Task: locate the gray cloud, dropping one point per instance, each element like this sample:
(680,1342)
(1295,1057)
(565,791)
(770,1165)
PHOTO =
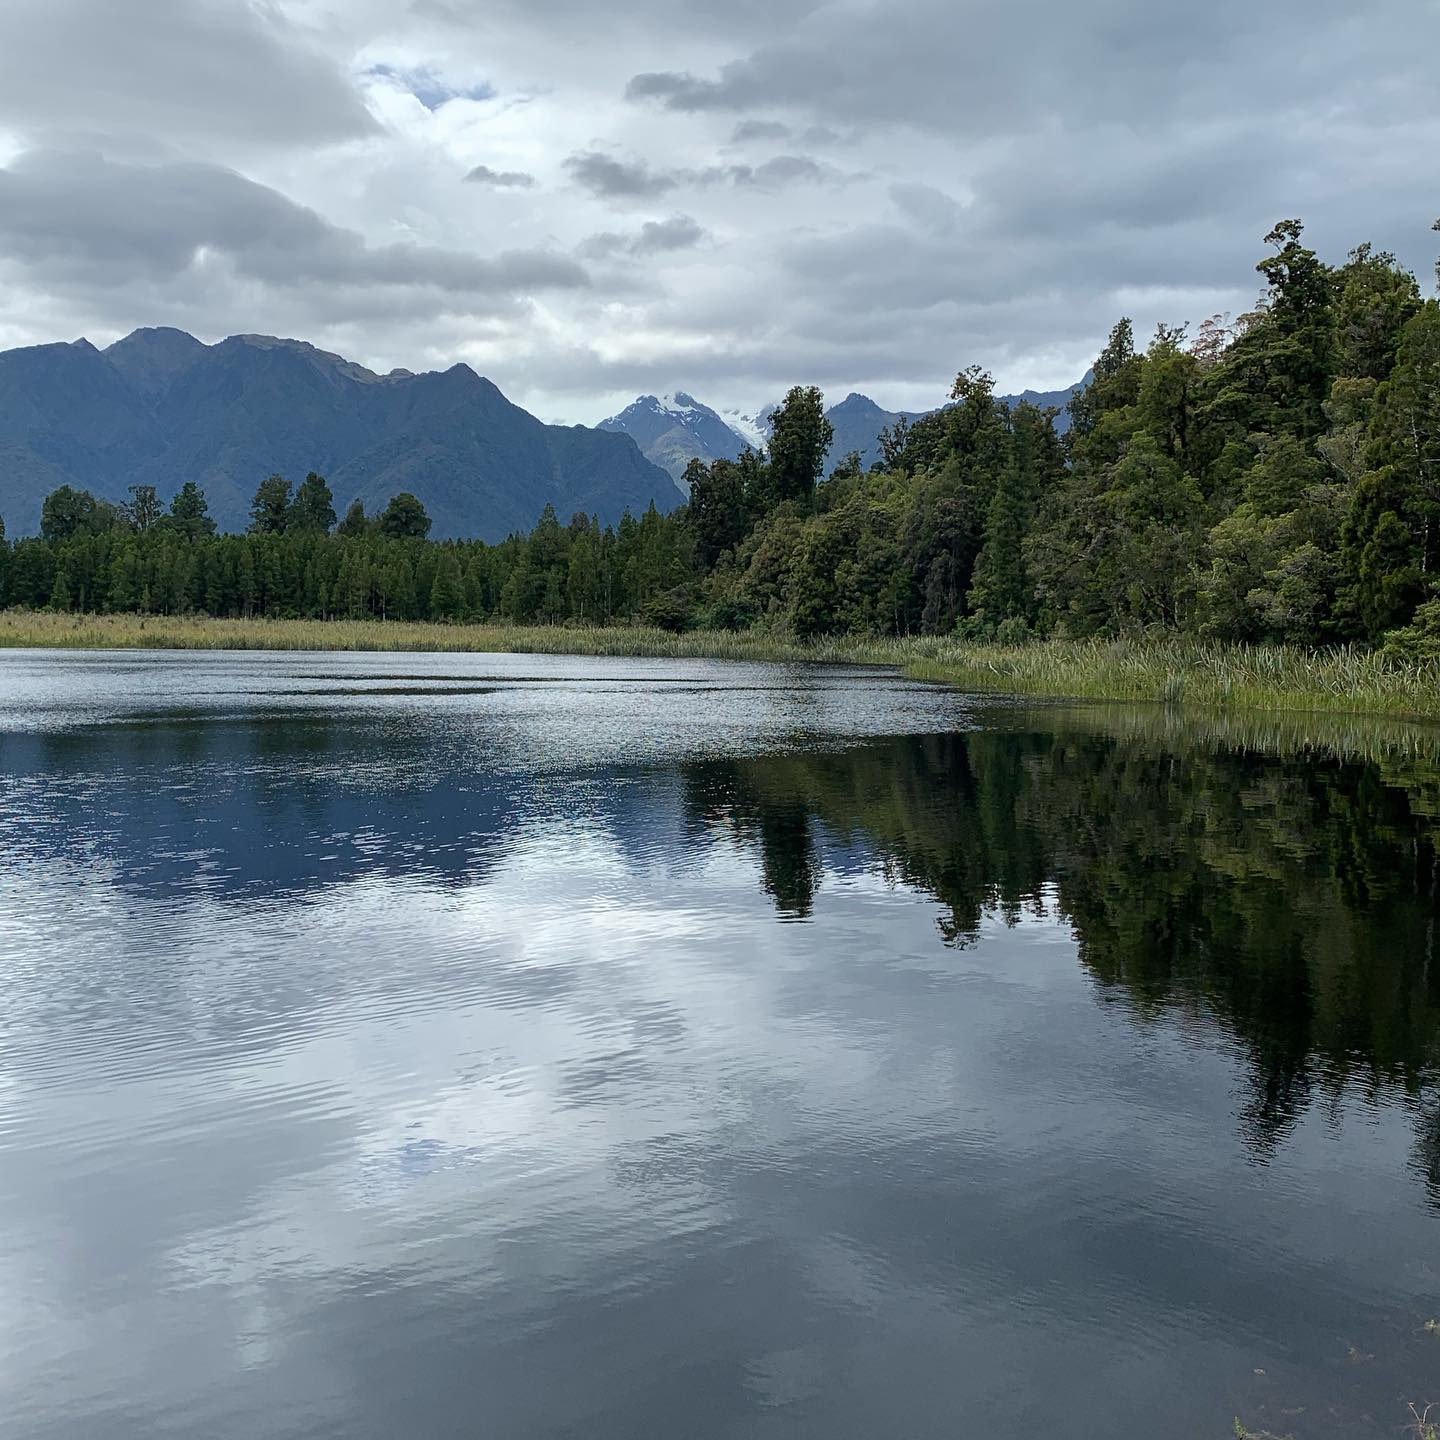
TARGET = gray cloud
(81,218)
(655,237)
(814,136)
(604,245)
(782,170)
(680,90)
(178,69)
(610,178)
(500,179)
(638,20)
(679,232)
(613,179)
(748,130)
(925,205)
(1024,65)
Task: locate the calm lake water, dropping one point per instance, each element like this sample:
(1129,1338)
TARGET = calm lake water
(505,1046)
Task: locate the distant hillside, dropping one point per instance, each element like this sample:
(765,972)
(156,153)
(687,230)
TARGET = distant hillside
(159,407)
(671,430)
(858,420)
(1052,400)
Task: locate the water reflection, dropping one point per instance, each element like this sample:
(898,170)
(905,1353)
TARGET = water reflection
(1292,901)
(454,1062)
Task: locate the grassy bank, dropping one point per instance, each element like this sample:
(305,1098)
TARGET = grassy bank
(30,629)
(1259,678)
(1344,681)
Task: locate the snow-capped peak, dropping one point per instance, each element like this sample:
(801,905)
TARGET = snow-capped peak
(752,429)
(675,428)
(680,404)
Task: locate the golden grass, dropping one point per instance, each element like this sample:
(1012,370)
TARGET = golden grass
(39,629)
(1345,681)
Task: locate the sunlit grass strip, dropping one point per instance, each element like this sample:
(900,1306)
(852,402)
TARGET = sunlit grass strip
(1265,677)
(44,630)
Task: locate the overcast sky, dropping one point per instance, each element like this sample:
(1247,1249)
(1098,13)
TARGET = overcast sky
(586,202)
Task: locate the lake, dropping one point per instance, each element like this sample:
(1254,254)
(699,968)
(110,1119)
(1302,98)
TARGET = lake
(518,1046)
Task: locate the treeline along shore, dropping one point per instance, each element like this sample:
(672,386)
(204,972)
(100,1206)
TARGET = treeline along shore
(1250,510)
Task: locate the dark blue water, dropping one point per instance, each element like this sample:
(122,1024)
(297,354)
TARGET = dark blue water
(508,1046)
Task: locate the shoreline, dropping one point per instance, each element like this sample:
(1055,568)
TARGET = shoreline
(1167,672)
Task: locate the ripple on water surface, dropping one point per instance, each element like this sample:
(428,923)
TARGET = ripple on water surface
(536,1046)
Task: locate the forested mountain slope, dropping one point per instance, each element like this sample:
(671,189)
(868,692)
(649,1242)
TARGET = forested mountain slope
(160,408)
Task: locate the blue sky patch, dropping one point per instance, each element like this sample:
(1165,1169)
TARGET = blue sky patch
(431,91)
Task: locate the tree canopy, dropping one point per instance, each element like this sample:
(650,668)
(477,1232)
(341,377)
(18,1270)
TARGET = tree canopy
(1275,477)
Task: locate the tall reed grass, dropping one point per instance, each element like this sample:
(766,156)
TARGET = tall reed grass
(1346,680)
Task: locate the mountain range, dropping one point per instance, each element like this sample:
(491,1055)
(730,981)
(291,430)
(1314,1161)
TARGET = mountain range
(671,430)
(160,407)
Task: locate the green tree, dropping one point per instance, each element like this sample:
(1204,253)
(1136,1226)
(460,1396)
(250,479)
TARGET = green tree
(1377,297)
(68,511)
(1156,512)
(1391,539)
(60,591)
(247,584)
(190,512)
(800,435)
(1276,377)
(718,511)
(975,444)
(893,440)
(1119,548)
(270,509)
(940,543)
(405,518)
(124,591)
(811,584)
(355,523)
(1114,383)
(669,610)
(446,592)
(1387,582)
(313,510)
(177,582)
(399,590)
(1165,404)
(584,579)
(1001,588)
(144,511)
(32,573)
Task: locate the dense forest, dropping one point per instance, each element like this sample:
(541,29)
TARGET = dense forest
(1271,478)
